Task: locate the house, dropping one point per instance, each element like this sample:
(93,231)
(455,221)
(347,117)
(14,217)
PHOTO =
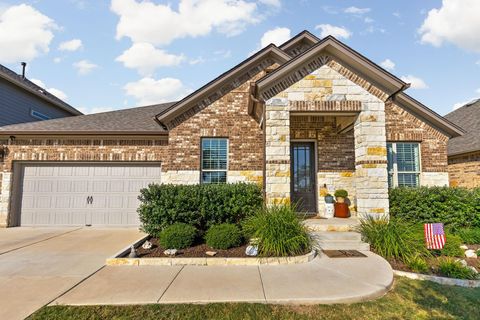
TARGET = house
(23,101)
(309,114)
(464,151)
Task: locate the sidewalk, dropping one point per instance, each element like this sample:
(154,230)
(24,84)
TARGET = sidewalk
(324,280)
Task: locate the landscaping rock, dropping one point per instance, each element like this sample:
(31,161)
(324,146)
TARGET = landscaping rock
(133,252)
(470,254)
(251,251)
(147,245)
(211,253)
(170,252)
(464,247)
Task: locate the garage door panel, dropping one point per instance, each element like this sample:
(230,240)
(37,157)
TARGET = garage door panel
(56,194)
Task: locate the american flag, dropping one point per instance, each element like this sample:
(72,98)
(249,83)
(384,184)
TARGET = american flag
(434,235)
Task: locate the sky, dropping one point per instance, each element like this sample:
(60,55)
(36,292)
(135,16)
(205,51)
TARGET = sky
(101,55)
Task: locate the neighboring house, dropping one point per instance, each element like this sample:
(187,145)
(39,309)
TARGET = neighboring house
(23,101)
(295,118)
(464,151)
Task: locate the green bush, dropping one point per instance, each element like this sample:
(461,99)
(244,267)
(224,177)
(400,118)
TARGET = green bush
(394,239)
(418,264)
(448,267)
(469,236)
(278,231)
(198,205)
(452,247)
(177,236)
(341,193)
(455,207)
(223,236)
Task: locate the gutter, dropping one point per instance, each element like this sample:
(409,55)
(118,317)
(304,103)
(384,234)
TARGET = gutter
(402,88)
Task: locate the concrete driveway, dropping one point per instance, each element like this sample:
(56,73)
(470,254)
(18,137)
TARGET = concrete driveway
(37,265)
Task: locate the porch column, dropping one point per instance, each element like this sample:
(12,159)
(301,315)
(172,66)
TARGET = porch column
(277,151)
(371,177)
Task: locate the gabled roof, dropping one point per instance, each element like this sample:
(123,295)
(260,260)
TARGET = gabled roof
(383,79)
(421,111)
(468,118)
(134,121)
(300,43)
(227,81)
(31,87)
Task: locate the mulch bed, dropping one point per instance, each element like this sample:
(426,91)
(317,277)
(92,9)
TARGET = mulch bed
(196,251)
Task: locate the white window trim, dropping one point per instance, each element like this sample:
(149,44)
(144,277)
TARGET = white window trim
(395,171)
(214,170)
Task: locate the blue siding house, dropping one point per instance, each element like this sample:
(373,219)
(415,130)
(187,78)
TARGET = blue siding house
(23,101)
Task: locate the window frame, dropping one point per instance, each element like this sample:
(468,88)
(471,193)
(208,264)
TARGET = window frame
(214,170)
(39,115)
(395,172)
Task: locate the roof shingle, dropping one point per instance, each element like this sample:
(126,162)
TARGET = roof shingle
(468,118)
(140,120)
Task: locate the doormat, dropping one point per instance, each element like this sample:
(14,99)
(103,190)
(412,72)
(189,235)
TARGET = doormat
(344,254)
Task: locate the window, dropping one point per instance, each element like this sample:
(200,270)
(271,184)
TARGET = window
(39,115)
(403,164)
(214,160)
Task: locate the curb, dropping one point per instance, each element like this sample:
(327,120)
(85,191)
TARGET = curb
(440,280)
(115,261)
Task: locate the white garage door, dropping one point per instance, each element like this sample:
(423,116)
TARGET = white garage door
(85,194)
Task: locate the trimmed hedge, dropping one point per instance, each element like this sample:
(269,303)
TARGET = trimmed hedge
(224,236)
(201,205)
(455,207)
(177,236)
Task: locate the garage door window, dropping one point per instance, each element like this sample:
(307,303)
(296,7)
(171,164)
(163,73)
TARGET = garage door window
(214,160)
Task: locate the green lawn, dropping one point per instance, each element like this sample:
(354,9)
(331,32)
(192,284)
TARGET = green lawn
(408,300)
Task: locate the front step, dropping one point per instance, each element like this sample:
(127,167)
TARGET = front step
(332,224)
(331,240)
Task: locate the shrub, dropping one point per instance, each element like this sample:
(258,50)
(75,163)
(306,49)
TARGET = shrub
(177,236)
(198,205)
(469,236)
(223,236)
(455,207)
(418,264)
(341,193)
(452,247)
(454,269)
(394,239)
(278,231)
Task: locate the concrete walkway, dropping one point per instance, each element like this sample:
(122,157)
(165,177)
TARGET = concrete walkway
(37,265)
(324,280)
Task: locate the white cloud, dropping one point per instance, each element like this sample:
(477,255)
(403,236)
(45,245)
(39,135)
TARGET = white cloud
(356,10)
(90,110)
(25,33)
(478,91)
(145,58)
(337,32)
(150,91)
(72,45)
(160,24)
(388,64)
(456,22)
(368,20)
(84,67)
(416,83)
(57,59)
(56,92)
(461,104)
(276,36)
(273,3)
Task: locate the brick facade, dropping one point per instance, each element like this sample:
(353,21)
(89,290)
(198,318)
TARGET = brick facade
(464,170)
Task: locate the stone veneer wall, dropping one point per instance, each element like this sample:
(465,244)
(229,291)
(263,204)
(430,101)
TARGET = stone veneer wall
(403,126)
(332,82)
(464,170)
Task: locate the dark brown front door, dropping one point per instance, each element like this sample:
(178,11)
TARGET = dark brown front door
(303,184)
